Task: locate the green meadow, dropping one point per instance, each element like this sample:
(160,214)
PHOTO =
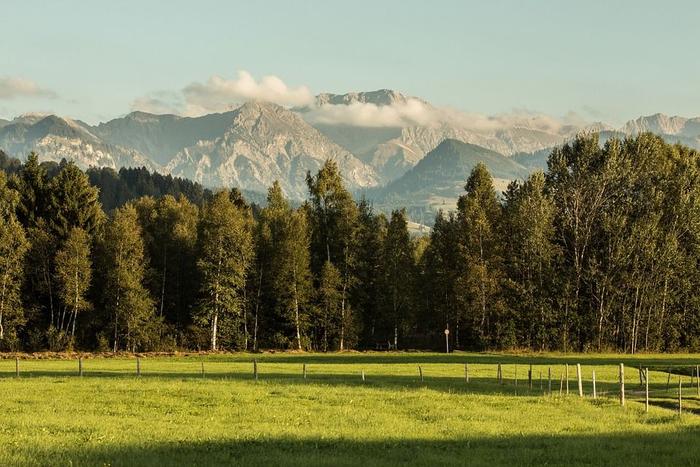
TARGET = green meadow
(210,410)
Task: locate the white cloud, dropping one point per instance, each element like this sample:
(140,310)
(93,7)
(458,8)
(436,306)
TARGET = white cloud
(11,88)
(220,94)
(158,103)
(409,113)
(417,113)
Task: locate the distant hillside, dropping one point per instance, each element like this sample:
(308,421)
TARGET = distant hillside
(439,178)
(9,164)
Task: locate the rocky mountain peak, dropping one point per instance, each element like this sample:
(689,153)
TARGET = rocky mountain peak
(378,97)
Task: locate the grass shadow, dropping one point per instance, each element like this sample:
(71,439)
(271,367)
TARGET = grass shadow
(675,447)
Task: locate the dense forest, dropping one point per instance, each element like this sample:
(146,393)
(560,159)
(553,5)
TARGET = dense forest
(601,252)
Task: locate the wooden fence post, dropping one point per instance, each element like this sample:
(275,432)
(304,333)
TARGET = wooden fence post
(595,392)
(541,387)
(567,379)
(529,377)
(303,370)
(202,362)
(580,383)
(466,372)
(17,367)
(680,395)
(499,374)
(420,372)
(646,390)
(549,384)
(80,366)
(622,384)
(138,366)
(641,380)
(255,368)
(363,376)
(561,384)
(516,380)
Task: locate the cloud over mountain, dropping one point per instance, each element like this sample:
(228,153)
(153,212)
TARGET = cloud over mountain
(366,114)
(13,87)
(219,94)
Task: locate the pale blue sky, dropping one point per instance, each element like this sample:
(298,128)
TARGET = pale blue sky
(606,60)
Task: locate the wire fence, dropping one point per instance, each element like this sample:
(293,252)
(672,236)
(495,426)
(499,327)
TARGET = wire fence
(670,387)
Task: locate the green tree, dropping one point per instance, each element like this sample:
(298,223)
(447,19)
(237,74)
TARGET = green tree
(440,269)
(398,273)
(73,202)
(334,235)
(478,216)
(329,297)
(13,246)
(367,290)
(73,277)
(530,258)
(226,251)
(32,184)
(128,302)
(293,273)
(169,225)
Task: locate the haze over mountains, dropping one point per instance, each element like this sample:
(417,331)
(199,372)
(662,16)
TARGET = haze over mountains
(380,140)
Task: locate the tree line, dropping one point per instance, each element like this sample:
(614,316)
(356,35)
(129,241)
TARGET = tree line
(600,252)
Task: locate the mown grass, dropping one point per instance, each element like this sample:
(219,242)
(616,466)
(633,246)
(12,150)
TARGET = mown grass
(175,415)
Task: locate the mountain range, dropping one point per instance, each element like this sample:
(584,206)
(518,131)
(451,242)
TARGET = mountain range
(387,144)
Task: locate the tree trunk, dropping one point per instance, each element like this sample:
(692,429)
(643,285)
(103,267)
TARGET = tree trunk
(214,329)
(162,287)
(296,309)
(257,307)
(2,304)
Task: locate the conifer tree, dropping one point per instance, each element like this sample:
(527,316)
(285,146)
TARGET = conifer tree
(398,274)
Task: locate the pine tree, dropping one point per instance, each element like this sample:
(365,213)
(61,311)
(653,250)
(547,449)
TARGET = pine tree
(366,293)
(440,268)
(398,273)
(73,202)
(32,184)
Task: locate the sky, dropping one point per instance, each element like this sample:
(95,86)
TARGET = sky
(599,60)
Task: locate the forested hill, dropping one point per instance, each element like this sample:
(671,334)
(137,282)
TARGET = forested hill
(118,188)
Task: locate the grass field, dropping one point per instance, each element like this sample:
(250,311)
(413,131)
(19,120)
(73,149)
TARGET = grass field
(175,415)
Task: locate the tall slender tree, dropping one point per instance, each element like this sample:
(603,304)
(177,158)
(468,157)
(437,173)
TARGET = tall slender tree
(478,216)
(13,246)
(334,236)
(74,274)
(398,274)
(225,253)
(128,302)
